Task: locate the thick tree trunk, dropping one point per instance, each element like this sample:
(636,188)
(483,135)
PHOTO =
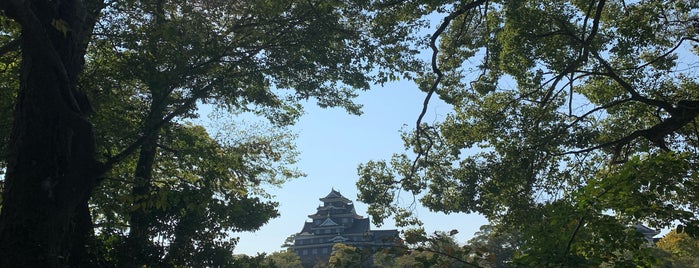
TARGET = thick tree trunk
(51,172)
(51,165)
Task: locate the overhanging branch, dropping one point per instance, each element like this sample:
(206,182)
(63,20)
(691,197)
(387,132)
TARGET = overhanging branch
(435,69)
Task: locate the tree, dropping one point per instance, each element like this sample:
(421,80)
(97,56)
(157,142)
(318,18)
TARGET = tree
(682,248)
(497,248)
(346,256)
(439,249)
(245,261)
(227,58)
(259,56)
(284,259)
(200,195)
(442,250)
(575,109)
(51,166)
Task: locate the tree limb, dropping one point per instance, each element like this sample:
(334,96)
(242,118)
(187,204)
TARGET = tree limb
(635,95)
(435,69)
(572,236)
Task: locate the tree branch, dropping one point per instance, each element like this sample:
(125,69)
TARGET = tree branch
(572,236)
(664,55)
(655,134)
(597,109)
(635,95)
(435,69)
(186,105)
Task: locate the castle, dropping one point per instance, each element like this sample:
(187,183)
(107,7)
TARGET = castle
(336,221)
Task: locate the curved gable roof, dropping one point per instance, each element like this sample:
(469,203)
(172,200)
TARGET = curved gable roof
(328,222)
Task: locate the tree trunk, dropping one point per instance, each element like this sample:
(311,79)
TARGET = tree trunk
(51,164)
(51,171)
(141,249)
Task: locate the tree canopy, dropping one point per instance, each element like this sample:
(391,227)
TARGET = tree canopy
(572,121)
(101,93)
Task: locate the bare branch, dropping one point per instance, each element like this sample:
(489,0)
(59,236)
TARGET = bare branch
(597,109)
(664,55)
(435,69)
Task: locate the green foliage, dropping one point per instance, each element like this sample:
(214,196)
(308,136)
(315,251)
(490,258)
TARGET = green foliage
(345,256)
(283,259)
(571,122)
(150,64)
(437,250)
(202,191)
(654,188)
(245,261)
(170,193)
(681,248)
(10,59)
(495,247)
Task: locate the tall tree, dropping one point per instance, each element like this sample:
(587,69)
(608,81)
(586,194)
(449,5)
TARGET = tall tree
(573,110)
(241,57)
(202,191)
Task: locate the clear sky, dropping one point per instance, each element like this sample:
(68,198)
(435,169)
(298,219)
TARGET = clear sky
(332,143)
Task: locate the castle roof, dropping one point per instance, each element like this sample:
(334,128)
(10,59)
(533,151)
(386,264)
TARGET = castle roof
(335,196)
(328,222)
(336,221)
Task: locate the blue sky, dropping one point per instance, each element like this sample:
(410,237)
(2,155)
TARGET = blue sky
(332,143)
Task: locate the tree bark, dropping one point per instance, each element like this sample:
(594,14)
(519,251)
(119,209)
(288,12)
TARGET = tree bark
(141,250)
(51,164)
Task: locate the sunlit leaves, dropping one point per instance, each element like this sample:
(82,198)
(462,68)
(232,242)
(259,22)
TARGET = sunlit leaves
(346,256)
(680,245)
(202,190)
(654,188)
(565,114)
(283,259)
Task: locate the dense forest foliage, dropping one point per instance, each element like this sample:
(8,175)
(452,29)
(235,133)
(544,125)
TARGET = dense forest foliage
(572,121)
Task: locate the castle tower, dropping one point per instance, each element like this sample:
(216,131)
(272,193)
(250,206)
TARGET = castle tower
(336,221)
